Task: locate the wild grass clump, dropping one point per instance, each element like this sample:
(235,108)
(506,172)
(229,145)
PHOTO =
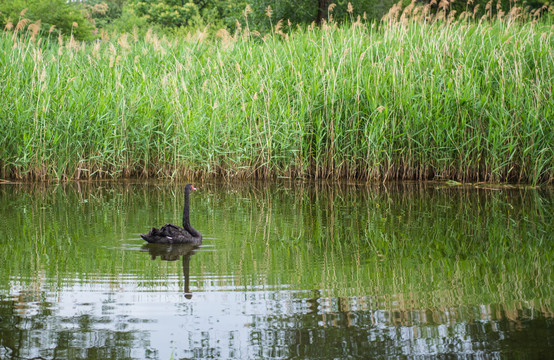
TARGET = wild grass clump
(411,97)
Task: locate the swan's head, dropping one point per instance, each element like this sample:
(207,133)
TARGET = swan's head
(189,188)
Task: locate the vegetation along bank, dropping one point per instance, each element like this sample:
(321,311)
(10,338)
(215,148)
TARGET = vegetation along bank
(403,98)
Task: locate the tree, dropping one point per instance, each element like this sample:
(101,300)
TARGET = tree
(103,12)
(484,7)
(169,13)
(308,11)
(322,9)
(57,15)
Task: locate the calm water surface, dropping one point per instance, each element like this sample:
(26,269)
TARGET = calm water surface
(286,270)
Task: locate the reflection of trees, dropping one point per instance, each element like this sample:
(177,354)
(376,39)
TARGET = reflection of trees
(30,328)
(351,328)
(10,331)
(301,325)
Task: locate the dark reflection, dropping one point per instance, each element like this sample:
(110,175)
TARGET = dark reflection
(172,252)
(352,328)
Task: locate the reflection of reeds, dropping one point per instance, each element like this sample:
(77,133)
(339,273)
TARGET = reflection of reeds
(403,99)
(421,246)
(402,264)
(409,246)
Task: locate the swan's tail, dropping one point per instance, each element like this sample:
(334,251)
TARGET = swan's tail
(149,237)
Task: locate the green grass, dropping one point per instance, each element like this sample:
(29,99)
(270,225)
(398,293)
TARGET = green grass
(395,100)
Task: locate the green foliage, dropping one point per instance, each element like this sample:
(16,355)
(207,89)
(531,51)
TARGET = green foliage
(264,15)
(223,14)
(168,13)
(104,12)
(488,8)
(60,14)
(129,22)
(415,100)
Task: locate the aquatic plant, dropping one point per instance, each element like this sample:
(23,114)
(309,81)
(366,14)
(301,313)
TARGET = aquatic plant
(411,97)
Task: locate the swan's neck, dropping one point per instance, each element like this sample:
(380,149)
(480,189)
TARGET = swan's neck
(186,220)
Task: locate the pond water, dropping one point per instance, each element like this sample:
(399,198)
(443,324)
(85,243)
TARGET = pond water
(286,270)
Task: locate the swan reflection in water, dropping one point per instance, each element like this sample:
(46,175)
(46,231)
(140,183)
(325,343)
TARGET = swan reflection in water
(172,252)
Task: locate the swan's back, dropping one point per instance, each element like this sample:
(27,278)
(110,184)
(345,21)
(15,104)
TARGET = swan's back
(171,234)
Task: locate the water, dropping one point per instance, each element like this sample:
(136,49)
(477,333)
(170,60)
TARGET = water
(287,270)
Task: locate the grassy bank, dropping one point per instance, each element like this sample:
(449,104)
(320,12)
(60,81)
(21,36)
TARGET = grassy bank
(396,100)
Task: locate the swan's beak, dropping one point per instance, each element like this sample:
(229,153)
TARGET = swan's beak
(193,188)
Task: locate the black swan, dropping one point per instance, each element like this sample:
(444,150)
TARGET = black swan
(172,234)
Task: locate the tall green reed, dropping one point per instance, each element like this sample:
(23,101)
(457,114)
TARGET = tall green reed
(401,99)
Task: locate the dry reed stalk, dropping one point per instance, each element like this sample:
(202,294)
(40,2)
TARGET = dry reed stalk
(278,26)
(247,10)
(350,8)
(21,24)
(225,36)
(122,41)
(9,25)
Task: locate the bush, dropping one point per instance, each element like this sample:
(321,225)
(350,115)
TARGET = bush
(57,15)
(168,13)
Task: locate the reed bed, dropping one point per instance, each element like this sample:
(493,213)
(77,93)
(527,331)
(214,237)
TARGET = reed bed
(404,98)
